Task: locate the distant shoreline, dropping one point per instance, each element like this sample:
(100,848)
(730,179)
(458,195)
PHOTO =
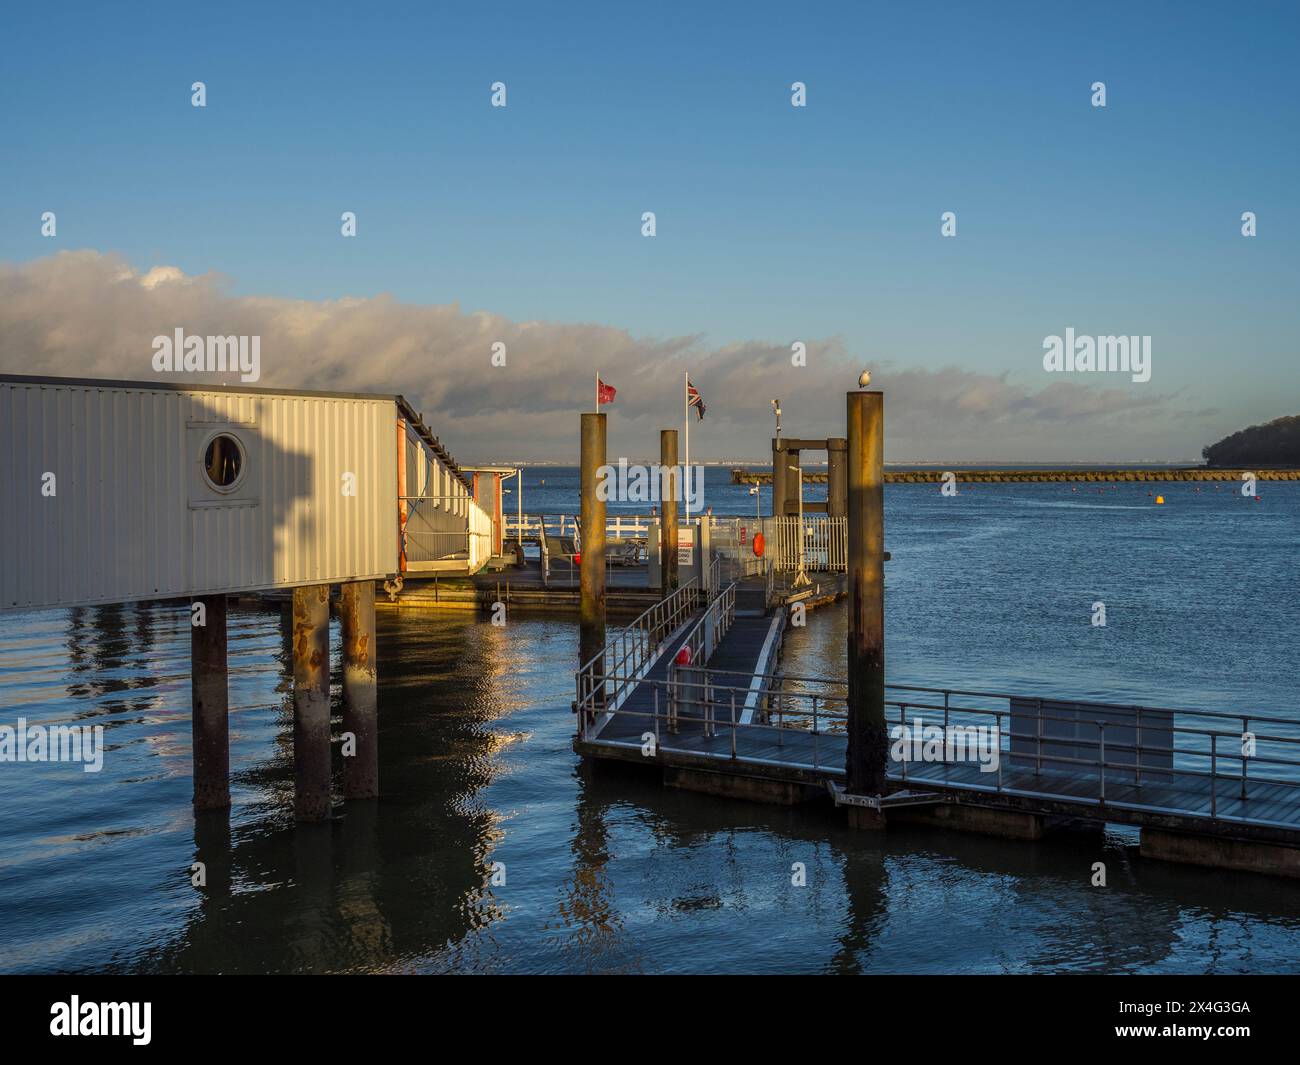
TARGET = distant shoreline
(1013,475)
(993,473)
(763,464)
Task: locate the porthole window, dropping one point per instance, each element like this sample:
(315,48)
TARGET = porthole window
(223,462)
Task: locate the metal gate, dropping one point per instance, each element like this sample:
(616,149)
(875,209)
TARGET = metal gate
(823,541)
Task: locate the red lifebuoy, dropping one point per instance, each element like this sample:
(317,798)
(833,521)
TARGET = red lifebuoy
(758,545)
(684,656)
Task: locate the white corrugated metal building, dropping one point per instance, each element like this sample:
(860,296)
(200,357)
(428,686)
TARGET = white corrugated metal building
(112,491)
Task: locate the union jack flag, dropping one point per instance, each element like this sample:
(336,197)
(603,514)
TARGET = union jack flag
(693,399)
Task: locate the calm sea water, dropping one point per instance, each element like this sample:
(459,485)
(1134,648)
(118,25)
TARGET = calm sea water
(608,872)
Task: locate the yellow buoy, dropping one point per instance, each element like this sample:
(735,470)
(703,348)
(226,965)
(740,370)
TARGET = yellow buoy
(1159,500)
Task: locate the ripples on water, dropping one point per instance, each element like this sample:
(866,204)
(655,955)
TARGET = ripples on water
(610,872)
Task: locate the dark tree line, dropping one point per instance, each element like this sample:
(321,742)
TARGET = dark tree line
(1274,444)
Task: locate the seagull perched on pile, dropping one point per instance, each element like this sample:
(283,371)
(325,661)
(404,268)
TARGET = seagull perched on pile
(864,378)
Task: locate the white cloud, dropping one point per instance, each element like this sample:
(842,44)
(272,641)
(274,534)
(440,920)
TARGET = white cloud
(87,314)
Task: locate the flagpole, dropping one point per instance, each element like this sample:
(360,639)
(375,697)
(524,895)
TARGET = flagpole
(686,471)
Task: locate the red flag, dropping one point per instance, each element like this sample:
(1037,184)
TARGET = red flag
(605,393)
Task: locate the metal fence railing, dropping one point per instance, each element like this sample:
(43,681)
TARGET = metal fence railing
(605,680)
(617,526)
(1191,763)
(823,541)
(700,642)
(444,529)
(732,542)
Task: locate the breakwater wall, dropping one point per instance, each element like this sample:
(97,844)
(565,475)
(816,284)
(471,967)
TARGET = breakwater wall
(1197,473)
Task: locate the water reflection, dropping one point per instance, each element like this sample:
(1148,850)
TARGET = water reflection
(587,913)
(110,649)
(387,882)
(606,870)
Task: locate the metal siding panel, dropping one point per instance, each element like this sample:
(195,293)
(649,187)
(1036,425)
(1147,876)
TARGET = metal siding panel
(110,480)
(327,496)
(11,463)
(95,446)
(79,449)
(72,451)
(295,502)
(270,415)
(26,446)
(15,463)
(311,544)
(8,496)
(366,503)
(276,485)
(289,492)
(89,449)
(301,507)
(121,526)
(379,485)
(33,572)
(160,419)
(331,497)
(363,503)
(351,510)
(349,457)
(315,568)
(22,452)
(134,545)
(374,497)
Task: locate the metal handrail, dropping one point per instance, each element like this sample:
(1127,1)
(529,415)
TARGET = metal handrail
(714,696)
(970,693)
(616,525)
(712,576)
(1187,730)
(700,641)
(705,688)
(454,523)
(723,612)
(604,678)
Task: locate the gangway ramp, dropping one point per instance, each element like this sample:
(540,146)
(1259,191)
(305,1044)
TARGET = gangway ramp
(654,685)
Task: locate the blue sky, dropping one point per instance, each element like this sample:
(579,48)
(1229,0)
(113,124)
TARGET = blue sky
(774,223)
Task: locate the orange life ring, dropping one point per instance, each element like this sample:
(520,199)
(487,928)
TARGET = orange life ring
(758,545)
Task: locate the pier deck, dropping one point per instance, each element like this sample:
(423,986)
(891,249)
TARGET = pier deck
(1179,771)
(1184,801)
(699,677)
